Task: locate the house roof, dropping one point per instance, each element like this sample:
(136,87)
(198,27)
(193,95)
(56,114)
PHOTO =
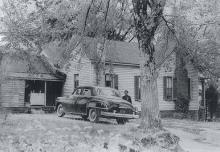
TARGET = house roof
(116,51)
(14,62)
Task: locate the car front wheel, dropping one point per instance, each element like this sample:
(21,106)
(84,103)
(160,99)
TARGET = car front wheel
(60,111)
(85,117)
(93,115)
(121,121)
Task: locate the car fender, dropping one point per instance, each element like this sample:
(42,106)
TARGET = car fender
(95,104)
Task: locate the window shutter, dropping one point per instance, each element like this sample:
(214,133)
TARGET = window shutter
(164,88)
(174,88)
(189,88)
(116,82)
(136,87)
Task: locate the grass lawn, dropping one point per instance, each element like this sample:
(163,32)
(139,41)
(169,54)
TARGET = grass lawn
(48,133)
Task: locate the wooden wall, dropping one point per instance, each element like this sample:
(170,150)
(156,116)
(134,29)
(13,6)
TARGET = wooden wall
(85,71)
(167,69)
(194,80)
(12,93)
(193,75)
(126,76)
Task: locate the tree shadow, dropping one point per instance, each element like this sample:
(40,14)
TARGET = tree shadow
(99,122)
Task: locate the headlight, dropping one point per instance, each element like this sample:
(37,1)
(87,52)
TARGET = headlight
(104,105)
(136,109)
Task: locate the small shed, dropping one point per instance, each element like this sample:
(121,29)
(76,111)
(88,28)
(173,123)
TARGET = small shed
(28,81)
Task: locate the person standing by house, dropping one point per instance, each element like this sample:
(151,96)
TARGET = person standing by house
(212,100)
(127,97)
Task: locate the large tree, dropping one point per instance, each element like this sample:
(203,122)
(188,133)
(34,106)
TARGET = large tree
(147,17)
(195,25)
(30,25)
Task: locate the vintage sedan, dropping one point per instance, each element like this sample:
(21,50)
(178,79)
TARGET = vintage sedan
(92,102)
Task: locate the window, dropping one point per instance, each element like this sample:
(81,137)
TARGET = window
(78,92)
(111,80)
(86,92)
(168,88)
(76,80)
(107,92)
(137,88)
(174,88)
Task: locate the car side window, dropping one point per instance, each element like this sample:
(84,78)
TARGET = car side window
(86,92)
(78,92)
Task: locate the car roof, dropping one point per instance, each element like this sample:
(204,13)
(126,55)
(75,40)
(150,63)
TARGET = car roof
(95,87)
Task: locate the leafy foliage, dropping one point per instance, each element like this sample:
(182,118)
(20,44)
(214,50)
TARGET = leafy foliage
(195,24)
(182,104)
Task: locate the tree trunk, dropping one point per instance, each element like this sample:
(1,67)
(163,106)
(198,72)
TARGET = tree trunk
(150,114)
(100,74)
(147,17)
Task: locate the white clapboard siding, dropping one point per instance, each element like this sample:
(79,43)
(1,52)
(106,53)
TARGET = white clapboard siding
(193,75)
(126,74)
(165,105)
(194,78)
(12,93)
(84,69)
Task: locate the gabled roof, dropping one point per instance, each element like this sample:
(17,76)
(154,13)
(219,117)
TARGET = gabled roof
(116,51)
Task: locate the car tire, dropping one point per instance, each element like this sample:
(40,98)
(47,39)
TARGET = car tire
(60,111)
(93,115)
(121,121)
(85,117)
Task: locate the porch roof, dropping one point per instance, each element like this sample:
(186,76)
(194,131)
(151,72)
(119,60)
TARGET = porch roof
(15,65)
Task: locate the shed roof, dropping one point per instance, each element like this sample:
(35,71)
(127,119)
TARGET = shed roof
(13,62)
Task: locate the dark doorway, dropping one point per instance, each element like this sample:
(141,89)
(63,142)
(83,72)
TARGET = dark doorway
(54,90)
(34,87)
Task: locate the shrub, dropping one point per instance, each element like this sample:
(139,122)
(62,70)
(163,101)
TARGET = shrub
(182,104)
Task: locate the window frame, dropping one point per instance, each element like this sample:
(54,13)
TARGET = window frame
(137,93)
(165,88)
(76,82)
(113,80)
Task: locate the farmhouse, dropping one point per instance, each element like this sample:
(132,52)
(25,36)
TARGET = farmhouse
(122,72)
(28,82)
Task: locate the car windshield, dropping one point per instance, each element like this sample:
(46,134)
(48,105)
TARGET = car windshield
(107,92)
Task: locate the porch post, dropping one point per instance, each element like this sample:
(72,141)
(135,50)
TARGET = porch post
(204,97)
(45,93)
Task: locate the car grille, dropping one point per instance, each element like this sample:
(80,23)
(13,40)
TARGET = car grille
(121,110)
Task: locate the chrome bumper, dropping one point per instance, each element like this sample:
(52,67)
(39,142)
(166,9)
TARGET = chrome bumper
(119,115)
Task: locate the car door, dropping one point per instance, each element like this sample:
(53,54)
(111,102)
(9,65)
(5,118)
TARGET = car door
(82,100)
(76,94)
(67,104)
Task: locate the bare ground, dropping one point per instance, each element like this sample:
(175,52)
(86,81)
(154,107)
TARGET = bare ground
(48,133)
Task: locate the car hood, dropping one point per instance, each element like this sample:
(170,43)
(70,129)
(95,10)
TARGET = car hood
(115,100)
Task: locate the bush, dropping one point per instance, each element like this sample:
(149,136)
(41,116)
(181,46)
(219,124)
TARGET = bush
(182,104)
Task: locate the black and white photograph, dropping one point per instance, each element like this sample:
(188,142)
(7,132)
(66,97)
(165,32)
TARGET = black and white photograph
(109,75)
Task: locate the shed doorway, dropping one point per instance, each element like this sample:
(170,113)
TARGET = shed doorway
(35,93)
(42,93)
